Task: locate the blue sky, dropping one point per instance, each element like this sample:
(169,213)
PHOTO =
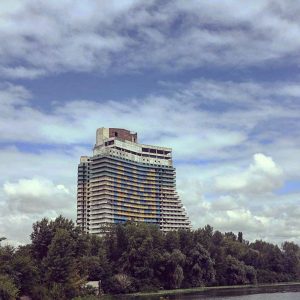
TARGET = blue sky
(218,81)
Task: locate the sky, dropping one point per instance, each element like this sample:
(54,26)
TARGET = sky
(218,81)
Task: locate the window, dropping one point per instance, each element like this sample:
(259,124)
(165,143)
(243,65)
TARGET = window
(116,134)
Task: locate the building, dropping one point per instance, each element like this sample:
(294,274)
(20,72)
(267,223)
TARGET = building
(125,180)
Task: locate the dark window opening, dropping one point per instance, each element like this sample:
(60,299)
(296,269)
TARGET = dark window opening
(116,134)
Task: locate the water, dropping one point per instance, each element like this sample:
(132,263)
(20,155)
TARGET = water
(277,296)
(285,292)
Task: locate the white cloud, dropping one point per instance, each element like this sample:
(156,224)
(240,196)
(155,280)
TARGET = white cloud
(120,36)
(37,195)
(273,218)
(209,146)
(226,203)
(262,176)
(21,72)
(214,127)
(76,122)
(34,186)
(12,95)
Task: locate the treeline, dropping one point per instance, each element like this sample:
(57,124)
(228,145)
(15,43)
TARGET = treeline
(137,257)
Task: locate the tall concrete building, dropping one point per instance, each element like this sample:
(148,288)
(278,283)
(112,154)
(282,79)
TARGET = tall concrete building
(125,180)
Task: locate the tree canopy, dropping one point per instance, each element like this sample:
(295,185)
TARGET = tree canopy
(135,257)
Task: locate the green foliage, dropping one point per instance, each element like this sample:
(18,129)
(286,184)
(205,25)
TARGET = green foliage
(240,237)
(235,272)
(121,283)
(203,236)
(6,257)
(177,277)
(134,257)
(199,267)
(173,269)
(8,290)
(25,270)
(44,231)
(40,292)
(291,254)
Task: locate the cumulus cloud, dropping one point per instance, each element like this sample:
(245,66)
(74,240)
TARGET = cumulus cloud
(225,212)
(26,201)
(61,36)
(260,177)
(48,190)
(37,195)
(273,217)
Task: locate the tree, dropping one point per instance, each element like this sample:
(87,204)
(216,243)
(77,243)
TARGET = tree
(121,283)
(236,272)
(8,289)
(44,231)
(172,241)
(6,259)
(203,236)
(137,258)
(240,237)
(269,262)
(199,267)
(177,277)
(41,238)
(60,265)
(186,240)
(251,275)
(291,253)
(25,270)
(172,266)
(231,236)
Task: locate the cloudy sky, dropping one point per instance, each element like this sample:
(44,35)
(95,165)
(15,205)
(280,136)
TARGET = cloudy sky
(218,81)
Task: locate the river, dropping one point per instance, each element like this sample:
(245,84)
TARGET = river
(285,292)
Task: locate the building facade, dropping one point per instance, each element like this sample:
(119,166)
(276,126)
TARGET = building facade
(124,180)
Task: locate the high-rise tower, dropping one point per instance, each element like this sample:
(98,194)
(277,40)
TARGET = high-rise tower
(125,180)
